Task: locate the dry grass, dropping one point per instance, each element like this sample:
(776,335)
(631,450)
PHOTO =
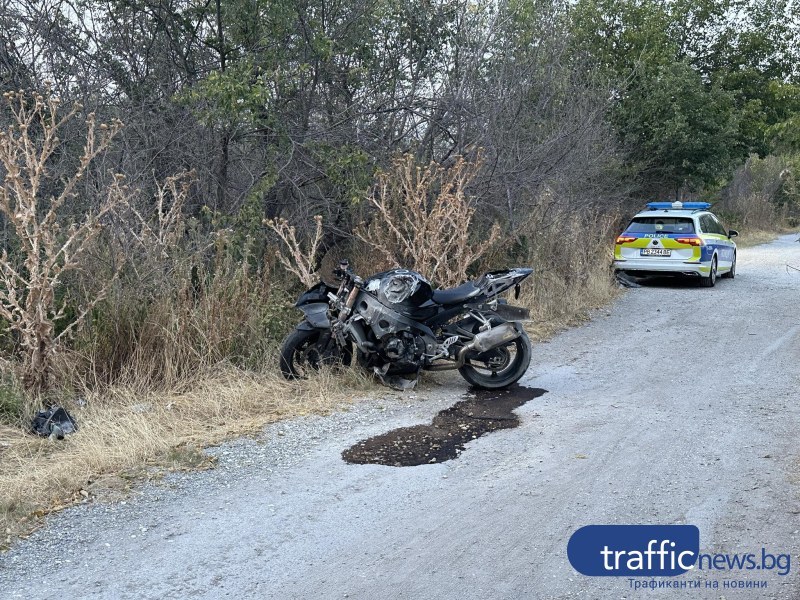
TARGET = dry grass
(556,306)
(123,431)
(572,261)
(302,259)
(127,435)
(755,237)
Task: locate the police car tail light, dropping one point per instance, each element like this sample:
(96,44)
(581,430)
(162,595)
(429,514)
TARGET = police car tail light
(625,239)
(691,241)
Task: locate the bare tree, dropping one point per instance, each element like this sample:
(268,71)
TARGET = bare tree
(32,273)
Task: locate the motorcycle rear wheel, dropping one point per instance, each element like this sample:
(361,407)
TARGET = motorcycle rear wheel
(499,368)
(301,354)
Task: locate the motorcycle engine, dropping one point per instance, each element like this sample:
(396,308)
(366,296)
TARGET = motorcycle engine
(404,349)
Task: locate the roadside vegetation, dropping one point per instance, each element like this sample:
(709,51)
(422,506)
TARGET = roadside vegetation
(175,173)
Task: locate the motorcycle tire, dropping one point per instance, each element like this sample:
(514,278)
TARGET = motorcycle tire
(299,353)
(509,374)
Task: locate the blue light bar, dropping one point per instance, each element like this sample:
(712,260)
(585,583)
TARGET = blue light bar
(678,205)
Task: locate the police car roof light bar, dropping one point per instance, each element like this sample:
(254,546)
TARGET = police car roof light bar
(678,205)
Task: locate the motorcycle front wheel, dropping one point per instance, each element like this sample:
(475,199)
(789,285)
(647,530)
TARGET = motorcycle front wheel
(301,353)
(498,368)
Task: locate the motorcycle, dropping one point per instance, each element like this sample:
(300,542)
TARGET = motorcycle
(400,326)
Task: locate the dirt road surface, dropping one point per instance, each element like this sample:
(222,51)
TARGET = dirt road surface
(677,405)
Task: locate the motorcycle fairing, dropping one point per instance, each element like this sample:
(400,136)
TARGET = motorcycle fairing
(318,293)
(316,315)
(384,321)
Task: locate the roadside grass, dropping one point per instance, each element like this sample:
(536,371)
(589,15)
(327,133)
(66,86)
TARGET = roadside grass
(572,272)
(556,305)
(747,239)
(756,237)
(126,436)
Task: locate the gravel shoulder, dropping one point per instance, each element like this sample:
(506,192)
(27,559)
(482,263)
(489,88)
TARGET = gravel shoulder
(676,405)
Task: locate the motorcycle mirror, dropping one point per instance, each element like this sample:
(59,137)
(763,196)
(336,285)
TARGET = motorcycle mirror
(516,292)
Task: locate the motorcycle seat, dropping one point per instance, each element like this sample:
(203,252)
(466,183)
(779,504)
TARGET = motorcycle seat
(463,292)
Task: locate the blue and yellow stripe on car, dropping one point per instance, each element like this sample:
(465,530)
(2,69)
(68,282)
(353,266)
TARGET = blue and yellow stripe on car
(719,243)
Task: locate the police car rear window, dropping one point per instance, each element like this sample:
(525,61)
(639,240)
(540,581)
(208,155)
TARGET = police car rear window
(660,225)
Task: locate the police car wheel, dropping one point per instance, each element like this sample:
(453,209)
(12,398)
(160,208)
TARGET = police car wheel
(712,275)
(732,273)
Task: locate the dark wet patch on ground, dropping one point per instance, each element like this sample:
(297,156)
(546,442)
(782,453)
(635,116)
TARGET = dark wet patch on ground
(445,437)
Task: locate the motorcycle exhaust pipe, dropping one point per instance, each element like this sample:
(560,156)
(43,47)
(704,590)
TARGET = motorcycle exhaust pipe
(488,340)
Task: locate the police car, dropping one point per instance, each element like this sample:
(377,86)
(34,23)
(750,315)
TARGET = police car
(674,238)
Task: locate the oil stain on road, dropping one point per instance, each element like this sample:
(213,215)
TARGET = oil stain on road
(444,438)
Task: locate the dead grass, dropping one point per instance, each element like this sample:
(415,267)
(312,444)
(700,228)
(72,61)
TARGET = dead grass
(127,436)
(572,271)
(123,431)
(749,238)
(555,305)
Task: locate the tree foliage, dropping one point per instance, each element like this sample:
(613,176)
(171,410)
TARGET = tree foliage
(699,84)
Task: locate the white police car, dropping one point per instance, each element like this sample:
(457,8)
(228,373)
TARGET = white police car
(674,238)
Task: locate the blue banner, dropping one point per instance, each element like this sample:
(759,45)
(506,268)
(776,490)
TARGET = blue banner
(634,550)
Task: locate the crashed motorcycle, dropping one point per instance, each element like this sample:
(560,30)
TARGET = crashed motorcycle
(399,326)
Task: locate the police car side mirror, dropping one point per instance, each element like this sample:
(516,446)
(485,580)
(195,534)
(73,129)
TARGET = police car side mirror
(732,233)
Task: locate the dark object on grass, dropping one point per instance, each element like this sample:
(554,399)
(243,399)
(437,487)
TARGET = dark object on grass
(55,422)
(627,281)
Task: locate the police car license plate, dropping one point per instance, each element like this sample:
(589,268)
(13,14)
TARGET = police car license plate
(656,252)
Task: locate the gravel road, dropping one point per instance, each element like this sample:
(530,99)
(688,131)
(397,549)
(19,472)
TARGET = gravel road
(677,405)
